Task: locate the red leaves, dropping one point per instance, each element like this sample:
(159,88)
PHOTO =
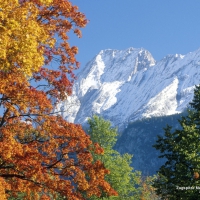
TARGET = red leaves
(196,175)
(59,19)
(74,50)
(98,149)
(41,153)
(78,33)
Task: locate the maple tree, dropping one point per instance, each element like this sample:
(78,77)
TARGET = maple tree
(41,154)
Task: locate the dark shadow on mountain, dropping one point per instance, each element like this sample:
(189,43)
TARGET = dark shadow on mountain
(138,138)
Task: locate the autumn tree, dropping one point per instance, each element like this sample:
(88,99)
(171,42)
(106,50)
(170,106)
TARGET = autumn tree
(122,177)
(179,176)
(41,154)
(147,189)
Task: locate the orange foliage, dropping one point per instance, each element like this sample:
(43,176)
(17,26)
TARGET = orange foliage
(148,191)
(196,175)
(41,153)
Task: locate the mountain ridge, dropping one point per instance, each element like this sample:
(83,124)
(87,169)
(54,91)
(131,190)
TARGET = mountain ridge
(127,85)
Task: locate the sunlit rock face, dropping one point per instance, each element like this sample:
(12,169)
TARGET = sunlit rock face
(127,85)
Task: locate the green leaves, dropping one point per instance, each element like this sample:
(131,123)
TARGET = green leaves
(122,177)
(100,131)
(181,148)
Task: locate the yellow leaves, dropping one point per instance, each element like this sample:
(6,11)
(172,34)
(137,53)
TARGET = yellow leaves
(20,37)
(3,187)
(9,147)
(36,148)
(52,42)
(46,2)
(29,26)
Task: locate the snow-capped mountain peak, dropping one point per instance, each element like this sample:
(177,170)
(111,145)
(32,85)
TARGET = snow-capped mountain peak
(126,85)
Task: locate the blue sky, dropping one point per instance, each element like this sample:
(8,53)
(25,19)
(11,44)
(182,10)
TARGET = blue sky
(162,27)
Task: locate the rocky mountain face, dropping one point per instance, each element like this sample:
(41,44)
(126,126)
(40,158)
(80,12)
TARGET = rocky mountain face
(137,94)
(124,86)
(140,136)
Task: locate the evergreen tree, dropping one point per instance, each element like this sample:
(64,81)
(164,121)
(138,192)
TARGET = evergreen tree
(122,177)
(179,176)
